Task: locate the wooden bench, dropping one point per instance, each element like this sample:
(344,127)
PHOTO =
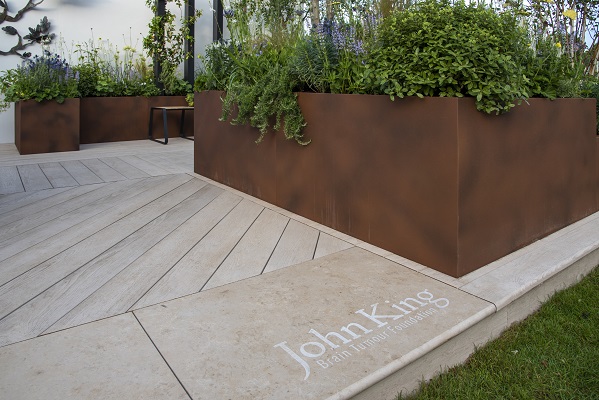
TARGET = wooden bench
(164,121)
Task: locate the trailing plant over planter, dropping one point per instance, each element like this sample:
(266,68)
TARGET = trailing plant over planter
(425,48)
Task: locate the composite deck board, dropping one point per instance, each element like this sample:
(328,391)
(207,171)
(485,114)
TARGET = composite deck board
(57,175)
(328,244)
(125,169)
(24,287)
(120,192)
(43,252)
(82,174)
(162,162)
(10,180)
(195,269)
(103,171)
(59,196)
(33,178)
(147,167)
(44,310)
(130,284)
(252,252)
(28,222)
(296,246)
(10,203)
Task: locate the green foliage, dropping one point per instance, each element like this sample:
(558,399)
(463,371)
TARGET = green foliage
(218,67)
(439,49)
(46,77)
(104,70)
(551,73)
(262,90)
(165,42)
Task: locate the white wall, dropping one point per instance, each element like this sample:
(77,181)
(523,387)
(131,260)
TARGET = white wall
(74,20)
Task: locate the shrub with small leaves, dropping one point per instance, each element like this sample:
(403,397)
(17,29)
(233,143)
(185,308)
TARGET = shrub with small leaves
(436,48)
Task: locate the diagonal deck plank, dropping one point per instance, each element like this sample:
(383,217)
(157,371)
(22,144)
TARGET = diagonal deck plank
(252,252)
(195,269)
(162,162)
(10,181)
(297,245)
(328,244)
(57,175)
(28,222)
(119,192)
(82,174)
(59,196)
(22,262)
(102,170)
(129,285)
(125,169)
(15,201)
(143,165)
(39,278)
(41,312)
(33,178)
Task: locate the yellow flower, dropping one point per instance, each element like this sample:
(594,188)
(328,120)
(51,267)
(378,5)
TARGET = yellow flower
(570,14)
(558,45)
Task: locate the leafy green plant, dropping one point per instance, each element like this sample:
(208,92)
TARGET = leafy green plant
(165,43)
(443,49)
(253,67)
(105,70)
(46,77)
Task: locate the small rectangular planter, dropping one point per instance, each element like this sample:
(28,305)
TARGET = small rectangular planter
(46,127)
(115,119)
(432,179)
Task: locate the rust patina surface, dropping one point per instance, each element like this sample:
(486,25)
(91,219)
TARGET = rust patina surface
(46,127)
(430,179)
(114,119)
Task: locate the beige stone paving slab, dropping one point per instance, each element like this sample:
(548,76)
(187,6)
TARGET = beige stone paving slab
(337,324)
(540,261)
(111,359)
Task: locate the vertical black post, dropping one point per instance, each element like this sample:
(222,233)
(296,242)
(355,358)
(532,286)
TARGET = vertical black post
(217,26)
(160,12)
(189,65)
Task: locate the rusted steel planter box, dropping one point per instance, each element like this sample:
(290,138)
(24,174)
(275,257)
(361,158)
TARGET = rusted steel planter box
(46,127)
(430,179)
(115,119)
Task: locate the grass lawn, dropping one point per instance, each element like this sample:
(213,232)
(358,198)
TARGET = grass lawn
(553,354)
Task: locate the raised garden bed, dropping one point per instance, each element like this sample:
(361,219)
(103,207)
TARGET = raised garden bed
(47,126)
(114,119)
(430,179)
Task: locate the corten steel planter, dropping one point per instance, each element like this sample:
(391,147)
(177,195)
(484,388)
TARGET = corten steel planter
(430,179)
(115,119)
(46,127)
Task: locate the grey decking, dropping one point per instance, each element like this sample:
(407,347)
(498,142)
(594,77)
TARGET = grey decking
(91,234)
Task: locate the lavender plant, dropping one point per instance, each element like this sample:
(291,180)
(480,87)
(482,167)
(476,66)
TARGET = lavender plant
(45,77)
